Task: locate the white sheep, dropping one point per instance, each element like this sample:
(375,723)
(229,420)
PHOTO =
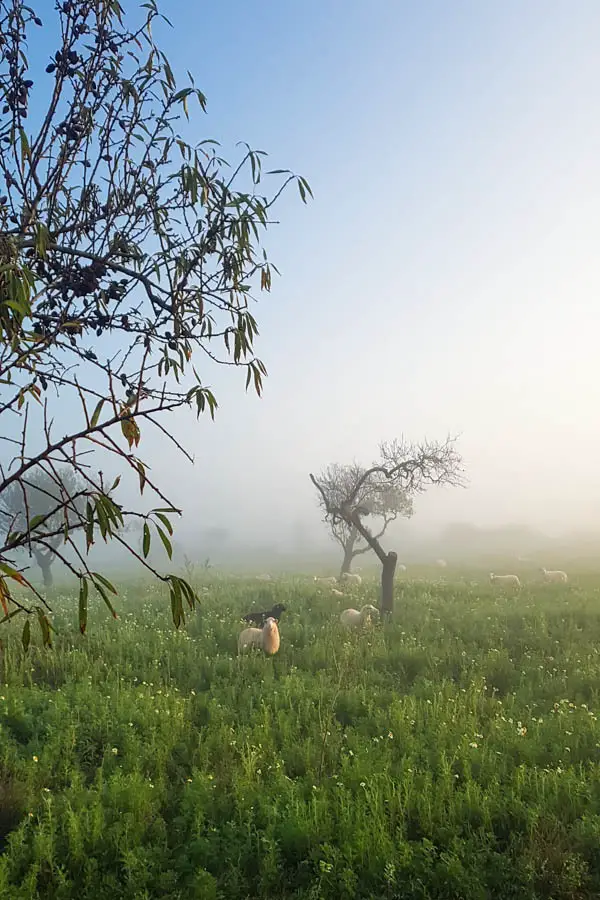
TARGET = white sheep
(352,618)
(351,578)
(329,579)
(337,593)
(505,579)
(265,638)
(400,568)
(556,575)
(441,563)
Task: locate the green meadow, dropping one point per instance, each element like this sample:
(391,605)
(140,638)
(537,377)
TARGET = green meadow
(453,752)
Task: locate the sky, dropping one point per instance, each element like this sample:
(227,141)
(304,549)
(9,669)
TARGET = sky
(445,277)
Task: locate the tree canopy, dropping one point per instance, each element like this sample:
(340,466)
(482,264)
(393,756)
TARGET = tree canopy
(381,500)
(403,470)
(34,507)
(129,262)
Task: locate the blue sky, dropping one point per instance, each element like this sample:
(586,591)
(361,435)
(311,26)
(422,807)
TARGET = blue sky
(444,279)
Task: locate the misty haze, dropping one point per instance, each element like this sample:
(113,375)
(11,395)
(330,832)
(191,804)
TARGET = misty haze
(299,520)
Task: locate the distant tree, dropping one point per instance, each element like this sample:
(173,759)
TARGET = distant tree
(39,501)
(127,255)
(379,499)
(407,469)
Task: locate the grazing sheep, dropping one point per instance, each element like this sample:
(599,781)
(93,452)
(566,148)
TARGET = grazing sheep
(337,593)
(505,579)
(259,618)
(265,638)
(330,579)
(352,618)
(441,563)
(556,575)
(265,577)
(351,578)
(400,568)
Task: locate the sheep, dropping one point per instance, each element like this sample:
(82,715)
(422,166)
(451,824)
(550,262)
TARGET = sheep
(265,638)
(259,618)
(554,575)
(337,593)
(330,579)
(400,568)
(352,618)
(265,577)
(351,578)
(441,563)
(505,579)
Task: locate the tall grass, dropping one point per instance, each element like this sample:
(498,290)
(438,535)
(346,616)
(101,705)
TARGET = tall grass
(452,753)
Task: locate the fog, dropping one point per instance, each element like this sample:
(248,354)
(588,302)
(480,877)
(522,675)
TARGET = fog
(443,280)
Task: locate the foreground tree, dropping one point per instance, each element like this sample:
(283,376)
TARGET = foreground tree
(405,469)
(126,253)
(39,501)
(381,500)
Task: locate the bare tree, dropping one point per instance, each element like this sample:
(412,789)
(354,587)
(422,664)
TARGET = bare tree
(408,469)
(381,500)
(127,255)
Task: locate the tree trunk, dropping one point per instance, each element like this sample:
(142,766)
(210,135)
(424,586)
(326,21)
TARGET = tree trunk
(44,561)
(388,572)
(46,568)
(348,557)
(349,552)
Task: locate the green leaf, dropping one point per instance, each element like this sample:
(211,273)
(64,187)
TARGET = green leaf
(141,469)
(105,582)
(165,540)
(42,240)
(176,607)
(25,151)
(89,525)
(165,521)
(104,596)
(83,604)
(37,520)
(103,522)
(146,540)
(26,635)
(189,593)
(96,413)
(176,602)
(45,627)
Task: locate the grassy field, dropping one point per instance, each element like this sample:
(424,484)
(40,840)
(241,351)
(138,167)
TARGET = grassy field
(452,753)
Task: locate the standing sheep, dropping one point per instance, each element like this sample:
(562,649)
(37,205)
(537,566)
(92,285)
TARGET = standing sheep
(352,618)
(330,579)
(441,563)
(556,575)
(505,579)
(265,638)
(351,578)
